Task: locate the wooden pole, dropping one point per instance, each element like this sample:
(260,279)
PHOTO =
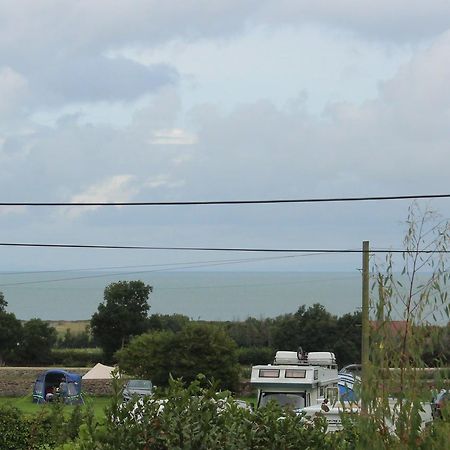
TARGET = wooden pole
(365,324)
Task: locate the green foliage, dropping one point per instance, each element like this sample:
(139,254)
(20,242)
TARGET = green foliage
(167,322)
(198,348)
(255,355)
(10,336)
(407,308)
(44,430)
(122,315)
(13,429)
(315,329)
(76,357)
(251,332)
(82,339)
(3,302)
(196,417)
(38,338)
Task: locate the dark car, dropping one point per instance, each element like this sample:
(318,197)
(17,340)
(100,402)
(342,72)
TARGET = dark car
(137,388)
(439,403)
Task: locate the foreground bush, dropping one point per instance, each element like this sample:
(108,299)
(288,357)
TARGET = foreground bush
(44,430)
(200,418)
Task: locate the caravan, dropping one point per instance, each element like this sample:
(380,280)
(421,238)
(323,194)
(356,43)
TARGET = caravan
(296,379)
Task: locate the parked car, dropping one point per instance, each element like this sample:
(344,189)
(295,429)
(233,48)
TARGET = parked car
(439,403)
(137,388)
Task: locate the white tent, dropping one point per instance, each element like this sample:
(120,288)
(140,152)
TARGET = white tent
(99,372)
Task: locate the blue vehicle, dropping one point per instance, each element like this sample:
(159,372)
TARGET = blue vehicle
(58,385)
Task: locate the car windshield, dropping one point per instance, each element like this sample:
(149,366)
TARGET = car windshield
(292,400)
(140,384)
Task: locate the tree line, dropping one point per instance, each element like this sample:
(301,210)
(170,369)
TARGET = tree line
(158,345)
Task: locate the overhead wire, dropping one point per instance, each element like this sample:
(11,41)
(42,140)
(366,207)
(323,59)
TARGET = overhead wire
(190,266)
(181,263)
(232,202)
(210,249)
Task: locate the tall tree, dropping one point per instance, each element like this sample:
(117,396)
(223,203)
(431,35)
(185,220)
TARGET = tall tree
(38,339)
(3,302)
(10,331)
(314,329)
(122,315)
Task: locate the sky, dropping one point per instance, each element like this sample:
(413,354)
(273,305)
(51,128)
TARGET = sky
(187,100)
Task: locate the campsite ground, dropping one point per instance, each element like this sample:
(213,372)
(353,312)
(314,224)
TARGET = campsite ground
(26,405)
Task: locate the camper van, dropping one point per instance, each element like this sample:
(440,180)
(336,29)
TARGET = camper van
(297,379)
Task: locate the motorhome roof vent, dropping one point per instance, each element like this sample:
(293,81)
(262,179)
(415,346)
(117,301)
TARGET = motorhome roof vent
(321,358)
(283,357)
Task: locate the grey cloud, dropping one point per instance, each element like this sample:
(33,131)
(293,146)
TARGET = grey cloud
(58,46)
(32,32)
(98,79)
(385,20)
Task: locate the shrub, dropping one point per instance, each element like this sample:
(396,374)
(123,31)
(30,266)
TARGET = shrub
(255,355)
(76,357)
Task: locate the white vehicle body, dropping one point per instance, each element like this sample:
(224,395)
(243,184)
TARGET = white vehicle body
(348,403)
(295,379)
(311,384)
(334,413)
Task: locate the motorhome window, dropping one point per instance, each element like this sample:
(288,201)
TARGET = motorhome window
(295,373)
(269,373)
(294,401)
(332,394)
(316,374)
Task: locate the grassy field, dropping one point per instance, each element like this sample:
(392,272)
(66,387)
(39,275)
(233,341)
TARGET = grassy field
(75,326)
(28,407)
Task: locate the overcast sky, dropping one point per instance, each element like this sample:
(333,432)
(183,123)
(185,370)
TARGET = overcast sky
(218,100)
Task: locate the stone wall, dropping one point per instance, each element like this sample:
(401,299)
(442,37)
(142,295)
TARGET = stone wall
(19,381)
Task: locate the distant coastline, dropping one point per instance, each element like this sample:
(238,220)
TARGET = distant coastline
(198,295)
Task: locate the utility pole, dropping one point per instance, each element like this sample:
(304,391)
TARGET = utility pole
(365,324)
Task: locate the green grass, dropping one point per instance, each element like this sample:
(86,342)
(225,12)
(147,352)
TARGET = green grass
(75,326)
(25,405)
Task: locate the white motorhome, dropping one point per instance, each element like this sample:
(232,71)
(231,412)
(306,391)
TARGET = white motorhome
(297,379)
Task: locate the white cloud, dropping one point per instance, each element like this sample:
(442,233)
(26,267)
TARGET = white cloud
(162,181)
(174,136)
(118,188)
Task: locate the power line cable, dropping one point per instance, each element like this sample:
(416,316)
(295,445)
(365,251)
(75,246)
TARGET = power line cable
(232,202)
(144,247)
(105,275)
(174,265)
(209,249)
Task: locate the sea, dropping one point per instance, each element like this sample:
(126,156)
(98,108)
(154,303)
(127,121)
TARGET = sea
(200,295)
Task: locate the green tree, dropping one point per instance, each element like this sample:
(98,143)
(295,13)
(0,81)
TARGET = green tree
(3,302)
(38,339)
(10,332)
(10,336)
(347,342)
(166,322)
(122,315)
(313,329)
(198,348)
